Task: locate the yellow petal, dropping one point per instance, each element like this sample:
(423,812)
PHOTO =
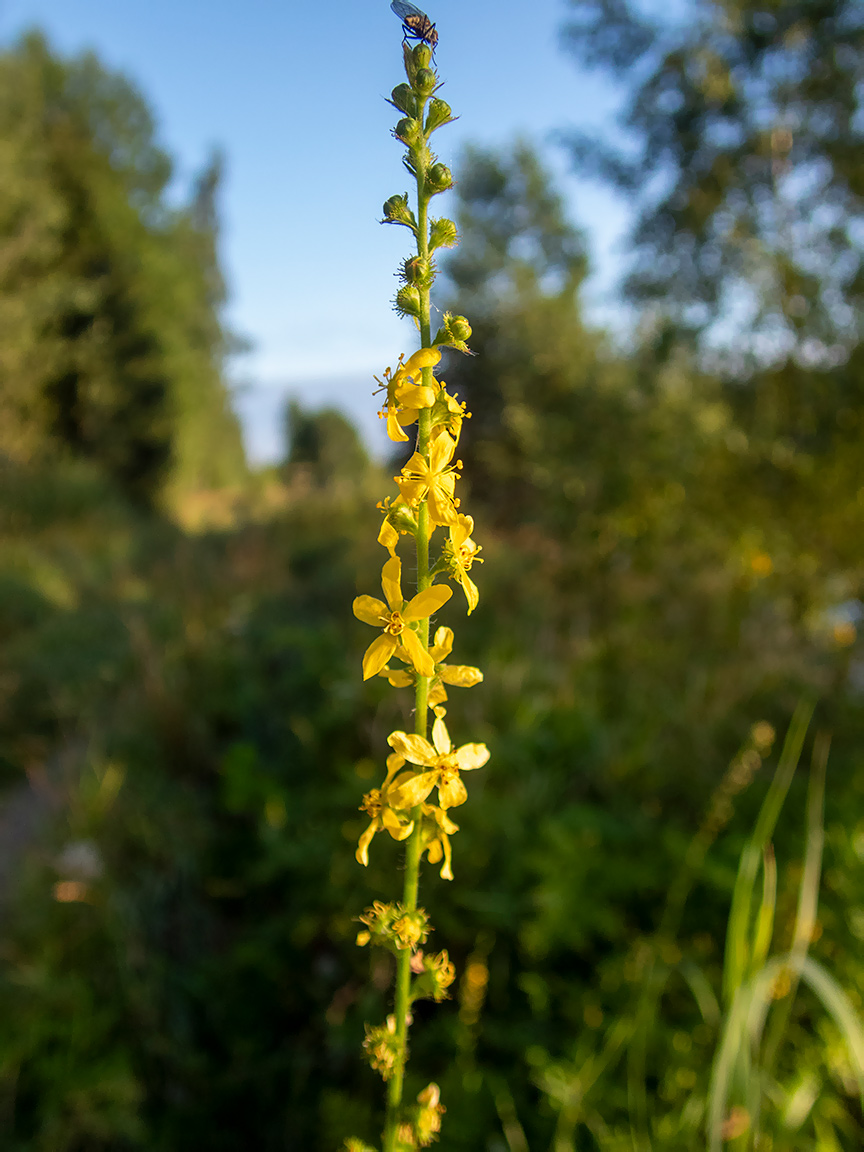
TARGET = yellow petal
(452,793)
(391,582)
(470,590)
(441,449)
(370,610)
(397,829)
(433,852)
(394,430)
(377,654)
(441,507)
(460,675)
(412,490)
(412,396)
(443,644)
(437,695)
(420,658)
(394,763)
(398,677)
(388,537)
(414,748)
(471,756)
(462,529)
(426,603)
(407,416)
(441,737)
(446,872)
(422,358)
(414,791)
(362,853)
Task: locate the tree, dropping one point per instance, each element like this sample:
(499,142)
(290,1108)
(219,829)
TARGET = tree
(745,167)
(110,335)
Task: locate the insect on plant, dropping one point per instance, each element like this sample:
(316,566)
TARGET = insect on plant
(415,24)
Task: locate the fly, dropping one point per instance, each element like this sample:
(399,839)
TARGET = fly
(415,24)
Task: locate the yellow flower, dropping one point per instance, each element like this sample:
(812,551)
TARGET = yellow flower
(396,621)
(457,675)
(377,805)
(443,761)
(448,412)
(433,479)
(460,553)
(405,397)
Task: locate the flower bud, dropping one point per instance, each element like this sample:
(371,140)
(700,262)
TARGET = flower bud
(425,82)
(442,234)
(409,131)
(408,301)
(439,113)
(403,519)
(403,98)
(439,178)
(396,211)
(459,328)
(421,57)
(416,270)
(454,332)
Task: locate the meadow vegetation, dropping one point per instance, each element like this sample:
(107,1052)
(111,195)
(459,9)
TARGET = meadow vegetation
(657,920)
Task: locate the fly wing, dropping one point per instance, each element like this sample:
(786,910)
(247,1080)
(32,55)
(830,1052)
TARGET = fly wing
(403,9)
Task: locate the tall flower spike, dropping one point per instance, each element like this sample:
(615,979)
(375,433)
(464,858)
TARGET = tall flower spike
(418,767)
(396,620)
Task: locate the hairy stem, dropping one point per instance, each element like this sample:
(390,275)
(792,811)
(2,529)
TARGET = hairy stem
(421,700)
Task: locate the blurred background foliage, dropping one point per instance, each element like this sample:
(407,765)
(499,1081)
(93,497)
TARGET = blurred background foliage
(672,530)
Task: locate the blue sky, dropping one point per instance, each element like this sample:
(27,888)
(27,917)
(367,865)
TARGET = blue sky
(293,93)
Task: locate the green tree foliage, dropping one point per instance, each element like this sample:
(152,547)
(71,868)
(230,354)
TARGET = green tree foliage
(746,134)
(112,344)
(324,446)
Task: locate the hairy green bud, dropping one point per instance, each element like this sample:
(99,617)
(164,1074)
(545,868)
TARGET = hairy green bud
(439,114)
(416,270)
(425,82)
(408,301)
(403,98)
(409,131)
(454,332)
(439,178)
(396,211)
(442,234)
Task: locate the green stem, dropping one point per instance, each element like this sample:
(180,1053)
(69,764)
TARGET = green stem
(421,703)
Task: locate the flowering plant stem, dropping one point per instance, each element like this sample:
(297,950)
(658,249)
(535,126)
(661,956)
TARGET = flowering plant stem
(421,694)
(418,767)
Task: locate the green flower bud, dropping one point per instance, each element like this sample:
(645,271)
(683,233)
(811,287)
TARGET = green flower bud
(442,234)
(421,57)
(403,98)
(416,270)
(409,131)
(454,332)
(408,301)
(439,113)
(425,82)
(403,519)
(459,327)
(396,211)
(439,178)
